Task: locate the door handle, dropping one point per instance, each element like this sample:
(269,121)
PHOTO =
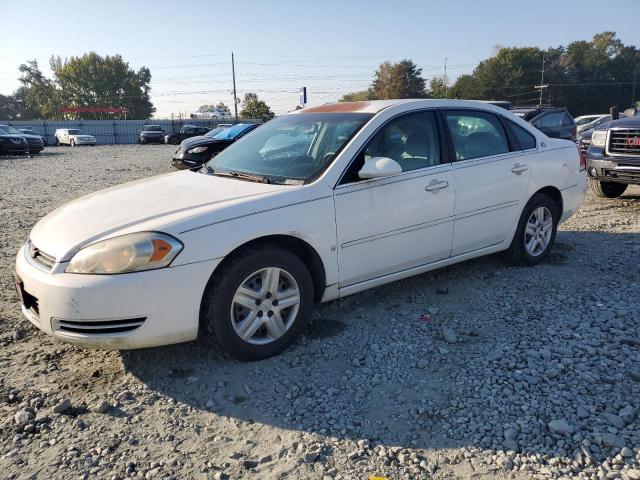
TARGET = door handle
(436,185)
(519,168)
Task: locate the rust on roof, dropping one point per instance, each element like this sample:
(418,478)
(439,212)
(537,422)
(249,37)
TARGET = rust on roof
(339,107)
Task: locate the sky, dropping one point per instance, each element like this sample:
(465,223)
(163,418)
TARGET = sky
(331,47)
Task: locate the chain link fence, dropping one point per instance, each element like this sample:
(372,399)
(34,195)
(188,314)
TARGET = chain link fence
(111,132)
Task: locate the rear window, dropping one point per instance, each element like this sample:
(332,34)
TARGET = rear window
(525,139)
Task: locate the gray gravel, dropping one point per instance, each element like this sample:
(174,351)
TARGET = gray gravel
(512,373)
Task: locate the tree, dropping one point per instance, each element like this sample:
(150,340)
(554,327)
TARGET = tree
(398,80)
(211,108)
(437,88)
(15,107)
(360,96)
(87,81)
(252,107)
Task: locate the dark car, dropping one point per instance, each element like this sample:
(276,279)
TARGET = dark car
(31,131)
(554,122)
(187,131)
(34,142)
(613,157)
(194,152)
(12,144)
(151,134)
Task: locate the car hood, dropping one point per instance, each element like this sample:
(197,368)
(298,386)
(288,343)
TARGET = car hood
(628,122)
(30,136)
(201,140)
(170,203)
(11,135)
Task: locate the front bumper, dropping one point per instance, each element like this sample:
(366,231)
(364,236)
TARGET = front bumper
(613,169)
(115,312)
(14,148)
(84,141)
(152,138)
(183,160)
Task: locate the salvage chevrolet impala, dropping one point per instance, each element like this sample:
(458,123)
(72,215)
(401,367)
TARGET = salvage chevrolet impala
(312,206)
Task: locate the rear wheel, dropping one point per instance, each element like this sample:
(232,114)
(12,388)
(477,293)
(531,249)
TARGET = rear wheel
(258,303)
(56,142)
(72,143)
(536,231)
(607,189)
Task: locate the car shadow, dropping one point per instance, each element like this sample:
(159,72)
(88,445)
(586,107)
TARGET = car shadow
(375,365)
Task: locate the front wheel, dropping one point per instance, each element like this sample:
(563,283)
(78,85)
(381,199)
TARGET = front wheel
(258,303)
(607,189)
(72,143)
(56,142)
(174,141)
(536,231)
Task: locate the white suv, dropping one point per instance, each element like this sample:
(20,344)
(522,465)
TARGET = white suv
(73,137)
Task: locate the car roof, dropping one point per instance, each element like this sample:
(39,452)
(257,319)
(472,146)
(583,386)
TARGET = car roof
(375,106)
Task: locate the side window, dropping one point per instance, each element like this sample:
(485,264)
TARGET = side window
(476,134)
(411,140)
(525,139)
(551,120)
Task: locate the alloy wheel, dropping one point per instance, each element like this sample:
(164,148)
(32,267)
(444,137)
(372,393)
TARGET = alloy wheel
(538,231)
(265,306)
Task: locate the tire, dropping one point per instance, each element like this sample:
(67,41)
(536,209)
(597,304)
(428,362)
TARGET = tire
(56,142)
(174,141)
(72,143)
(607,189)
(221,316)
(526,247)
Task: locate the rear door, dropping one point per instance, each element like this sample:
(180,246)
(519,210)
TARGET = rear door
(491,178)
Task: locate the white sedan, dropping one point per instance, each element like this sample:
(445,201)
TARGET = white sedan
(361,194)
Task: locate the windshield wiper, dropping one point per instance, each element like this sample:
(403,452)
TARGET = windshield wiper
(245,176)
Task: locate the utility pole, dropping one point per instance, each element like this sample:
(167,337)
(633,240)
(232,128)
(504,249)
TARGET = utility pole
(446,80)
(542,86)
(235,96)
(633,94)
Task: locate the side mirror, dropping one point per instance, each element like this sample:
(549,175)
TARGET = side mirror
(378,167)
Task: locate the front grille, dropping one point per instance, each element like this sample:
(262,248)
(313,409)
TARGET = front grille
(623,175)
(34,142)
(98,327)
(41,258)
(624,141)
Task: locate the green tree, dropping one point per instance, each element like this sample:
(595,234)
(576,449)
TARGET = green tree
(398,80)
(252,107)
(15,106)
(360,96)
(87,81)
(437,88)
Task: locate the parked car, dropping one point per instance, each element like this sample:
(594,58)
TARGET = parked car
(241,249)
(613,157)
(73,137)
(12,143)
(587,122)
(151,134)
(186,131)
(194,152)
(554,122)
(34,142)
(31,131)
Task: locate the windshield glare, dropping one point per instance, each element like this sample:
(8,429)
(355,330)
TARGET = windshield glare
(214,132)
(297,146)
(232,132)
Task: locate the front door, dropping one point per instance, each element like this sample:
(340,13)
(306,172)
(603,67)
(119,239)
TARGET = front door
(391,224)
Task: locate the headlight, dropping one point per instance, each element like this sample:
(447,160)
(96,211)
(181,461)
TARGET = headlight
(128,253)
(599,138)
(197,150)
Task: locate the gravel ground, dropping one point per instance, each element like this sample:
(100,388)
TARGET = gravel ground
(479,370)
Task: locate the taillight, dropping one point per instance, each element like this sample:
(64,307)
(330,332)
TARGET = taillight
(583,158)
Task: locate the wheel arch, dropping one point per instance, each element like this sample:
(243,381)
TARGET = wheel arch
(554,194)
(298,246)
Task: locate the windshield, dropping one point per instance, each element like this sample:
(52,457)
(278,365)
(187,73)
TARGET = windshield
(10,129)
(212,133)
(232,132)
(74,132)
(585,120)
(152,128)
(296,147)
